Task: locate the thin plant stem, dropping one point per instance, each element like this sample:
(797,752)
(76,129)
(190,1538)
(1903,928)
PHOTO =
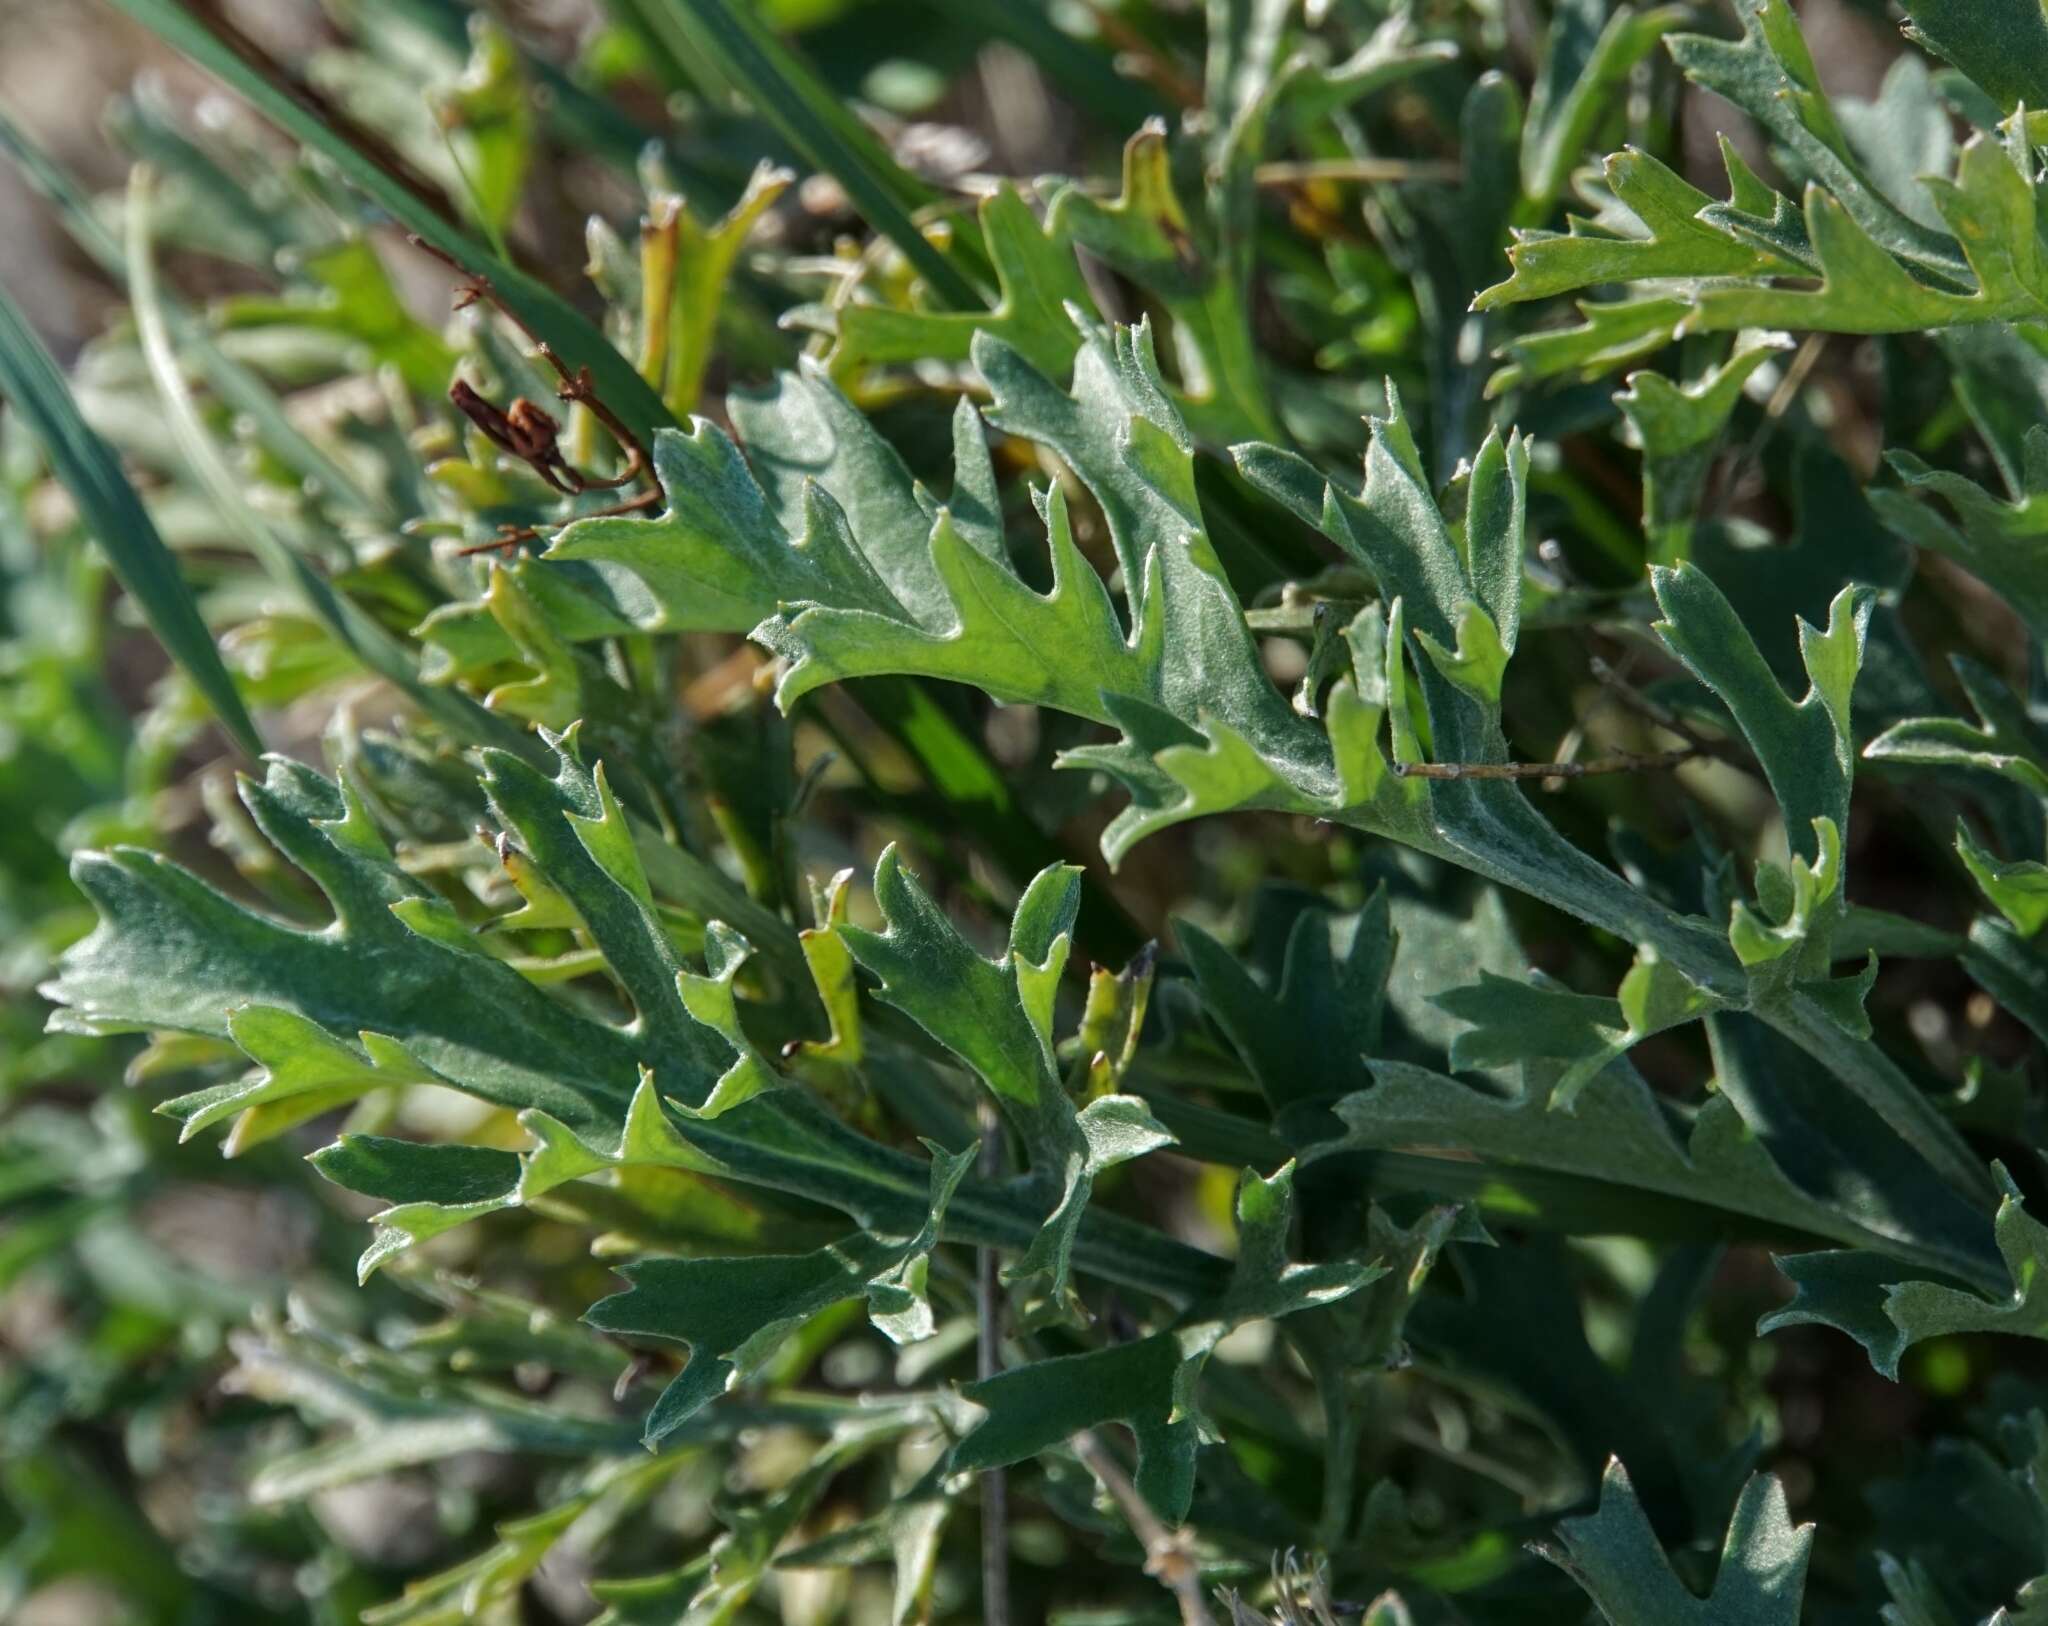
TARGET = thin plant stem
(513,535)
(1364,171)
(1617,684)
(443,114)
(1780,403)
(531,435)
(988,1361)
(576,385)
(1167,1556)
(367,141)
(1618,762)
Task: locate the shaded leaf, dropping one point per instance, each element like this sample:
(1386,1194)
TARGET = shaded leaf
(1615,1557)
(1149,1383)
(1888,1312)
(734,1313)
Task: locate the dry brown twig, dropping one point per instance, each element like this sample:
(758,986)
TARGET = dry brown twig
(364,138)
(530,432)
(510,536)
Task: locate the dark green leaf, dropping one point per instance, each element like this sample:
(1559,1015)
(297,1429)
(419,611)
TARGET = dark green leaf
(1614,1556)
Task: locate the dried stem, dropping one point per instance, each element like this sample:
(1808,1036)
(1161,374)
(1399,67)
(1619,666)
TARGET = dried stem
(510,536)
(988,1361)
(365,140)
(530,434)
(1618,762)
(1167,1554)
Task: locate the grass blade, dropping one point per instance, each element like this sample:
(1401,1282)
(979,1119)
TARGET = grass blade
(236,385)
(551,317)
(583,120)
(697,34)
(347,623)
(112,511)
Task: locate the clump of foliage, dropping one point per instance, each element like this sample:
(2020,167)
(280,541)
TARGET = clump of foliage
(1299,877)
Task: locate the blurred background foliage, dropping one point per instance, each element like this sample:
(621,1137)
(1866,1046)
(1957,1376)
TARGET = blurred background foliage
(202,1419)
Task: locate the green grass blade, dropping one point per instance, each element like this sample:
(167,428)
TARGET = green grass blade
(236,385)
(720,36)
(583,120)
(114,514)
(346,622)
(556,322)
